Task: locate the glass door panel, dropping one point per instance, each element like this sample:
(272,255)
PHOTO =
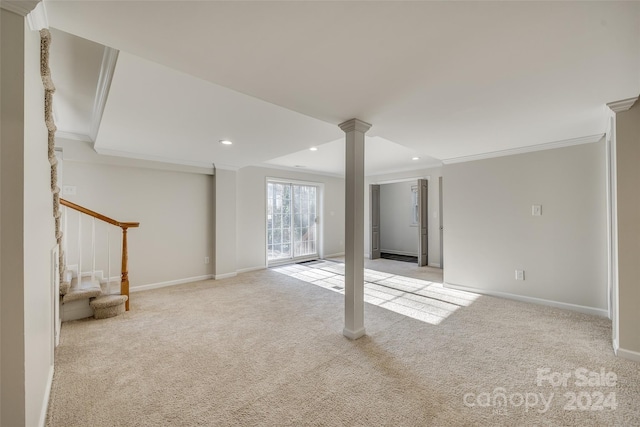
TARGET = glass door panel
(291,221)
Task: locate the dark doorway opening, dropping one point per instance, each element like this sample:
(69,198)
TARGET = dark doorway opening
(396,257)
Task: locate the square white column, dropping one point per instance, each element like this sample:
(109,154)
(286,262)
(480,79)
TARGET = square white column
(354,228)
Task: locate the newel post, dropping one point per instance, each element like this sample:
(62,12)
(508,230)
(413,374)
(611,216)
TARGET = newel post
(124,279)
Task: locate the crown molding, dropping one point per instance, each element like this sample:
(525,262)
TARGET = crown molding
(298,170)
(528,149)
(429,165)
(37,19)
(623,105)
(75,136)
(21,7)
(107,69)
(160,159)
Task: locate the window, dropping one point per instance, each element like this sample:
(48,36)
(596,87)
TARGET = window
(291,220)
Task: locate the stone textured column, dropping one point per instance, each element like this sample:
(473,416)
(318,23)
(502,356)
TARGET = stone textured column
(354,228)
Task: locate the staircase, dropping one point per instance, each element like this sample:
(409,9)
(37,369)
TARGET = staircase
(89,293)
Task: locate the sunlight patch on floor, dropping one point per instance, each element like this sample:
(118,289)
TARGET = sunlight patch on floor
(426,301)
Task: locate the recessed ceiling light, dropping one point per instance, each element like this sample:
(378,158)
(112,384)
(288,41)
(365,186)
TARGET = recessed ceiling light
(415,158)
(225,142)
(313,149)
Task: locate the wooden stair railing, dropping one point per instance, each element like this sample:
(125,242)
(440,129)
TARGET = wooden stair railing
(124,277)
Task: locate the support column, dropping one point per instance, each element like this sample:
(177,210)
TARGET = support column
(354,228)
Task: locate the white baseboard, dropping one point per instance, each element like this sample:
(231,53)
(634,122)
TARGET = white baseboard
(353,335)
(45,400)
(573,307)
(225,275)
(394,252)
(434,265)
(170,283)
(248,269)
(336,255)
(629,354)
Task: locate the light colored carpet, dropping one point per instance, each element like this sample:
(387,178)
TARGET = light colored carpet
(266,349)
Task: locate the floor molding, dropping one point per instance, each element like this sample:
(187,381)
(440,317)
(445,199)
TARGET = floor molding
(629,354)
(434,264)
(225,275)
(337,254)
(170,283)
(567,306)
(45,400)
(248,269)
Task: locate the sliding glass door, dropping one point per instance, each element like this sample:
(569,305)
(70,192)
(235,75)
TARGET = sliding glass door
(291,221)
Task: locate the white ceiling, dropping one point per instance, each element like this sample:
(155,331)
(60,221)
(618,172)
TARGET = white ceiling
(440,79)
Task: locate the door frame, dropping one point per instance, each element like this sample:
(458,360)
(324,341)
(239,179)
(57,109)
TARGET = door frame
(394,181)
(319,220)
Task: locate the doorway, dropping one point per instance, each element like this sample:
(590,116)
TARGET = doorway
(292,221)
(399,220)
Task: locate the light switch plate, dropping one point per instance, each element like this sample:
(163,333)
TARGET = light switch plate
(536,210)
(68,190)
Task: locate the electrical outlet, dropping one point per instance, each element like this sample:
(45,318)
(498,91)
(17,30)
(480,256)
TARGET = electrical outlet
(519,274)
(68,190)
(206,260)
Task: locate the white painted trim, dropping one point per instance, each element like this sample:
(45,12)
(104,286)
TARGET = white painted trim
(612,229)
(395,181)
(37,18)
(629,354)
(528,149)
(622,105)
(248,269)
(573,307)
(298,170)
(107,68)
(74,136)
(20,7)
(169,283)
(45,399)
(430,165)
(391,251)
(616,346)
(224,276)
(353,335)
(337,255)
(434,264)
(152,158)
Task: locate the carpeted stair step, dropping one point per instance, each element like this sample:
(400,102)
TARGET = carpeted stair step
(108,306)
(65,284)
(87,288)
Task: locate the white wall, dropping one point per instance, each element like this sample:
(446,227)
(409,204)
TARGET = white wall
(489,230)
(225,223)
(251,210)
(27,231)
(397,233)
(175,211)
(434,205)
(39,240)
